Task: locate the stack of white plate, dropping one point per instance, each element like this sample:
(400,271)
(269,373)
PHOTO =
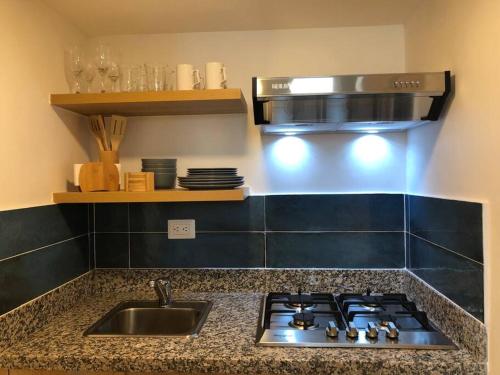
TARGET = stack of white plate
(211,178)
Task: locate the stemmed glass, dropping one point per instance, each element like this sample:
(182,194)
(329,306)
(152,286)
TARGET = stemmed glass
(102,63)
(89,75)
(114,75)
(76,67)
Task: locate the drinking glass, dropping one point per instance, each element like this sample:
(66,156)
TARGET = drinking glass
(89,75)
(102,62)
(142,78)
(169,78)
(129,77)
(114,75)
(76,67)
(156,77)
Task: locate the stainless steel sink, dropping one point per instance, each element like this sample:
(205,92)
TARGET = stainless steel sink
(147,318)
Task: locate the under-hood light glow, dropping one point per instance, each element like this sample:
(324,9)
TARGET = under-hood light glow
(370,149)
(290,151)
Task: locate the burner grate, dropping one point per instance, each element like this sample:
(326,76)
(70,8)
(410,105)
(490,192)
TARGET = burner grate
(301,303)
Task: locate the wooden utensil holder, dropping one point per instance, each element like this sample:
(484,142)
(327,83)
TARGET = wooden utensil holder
(110,157)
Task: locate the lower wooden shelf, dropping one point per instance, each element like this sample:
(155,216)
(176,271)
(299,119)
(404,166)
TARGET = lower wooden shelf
(174,195)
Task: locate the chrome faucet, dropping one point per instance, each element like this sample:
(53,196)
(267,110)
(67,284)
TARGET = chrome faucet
(163,289)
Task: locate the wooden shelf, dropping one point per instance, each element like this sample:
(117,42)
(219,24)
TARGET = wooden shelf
(188,102)
(174,195)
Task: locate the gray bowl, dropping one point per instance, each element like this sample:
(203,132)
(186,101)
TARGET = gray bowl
(159,170)
(160,161)
(167,164)
(165,180)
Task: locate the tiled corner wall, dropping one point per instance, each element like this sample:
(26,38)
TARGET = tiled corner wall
(40,249)
(444,247)
(438,240)
(331,231)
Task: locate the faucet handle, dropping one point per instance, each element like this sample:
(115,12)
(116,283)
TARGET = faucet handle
(163,289)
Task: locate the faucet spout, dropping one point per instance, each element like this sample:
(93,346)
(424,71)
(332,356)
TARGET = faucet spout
(163,289)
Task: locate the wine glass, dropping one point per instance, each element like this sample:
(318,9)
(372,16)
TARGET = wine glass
(114,75)
(76,67)
(102,62)
(89,75)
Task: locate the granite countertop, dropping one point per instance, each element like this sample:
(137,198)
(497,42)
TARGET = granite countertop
(226,344)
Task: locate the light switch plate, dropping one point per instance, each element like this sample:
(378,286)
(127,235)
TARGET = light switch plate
(181,229)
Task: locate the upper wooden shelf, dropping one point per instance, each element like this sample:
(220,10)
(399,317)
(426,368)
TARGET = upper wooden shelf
(173,195)
(188,102)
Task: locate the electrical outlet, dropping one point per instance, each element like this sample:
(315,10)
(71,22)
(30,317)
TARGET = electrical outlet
(181,229)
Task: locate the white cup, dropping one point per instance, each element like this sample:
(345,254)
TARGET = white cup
(215,75)
(188,78)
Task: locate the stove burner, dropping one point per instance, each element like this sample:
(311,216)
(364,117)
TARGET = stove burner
(371,306)
(299,301)
(303,320)
(304,306)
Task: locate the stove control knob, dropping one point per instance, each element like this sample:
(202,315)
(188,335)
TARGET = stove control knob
(352,331)
(392,331)
(332,330)
(372,331)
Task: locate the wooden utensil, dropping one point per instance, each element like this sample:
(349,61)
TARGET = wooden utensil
(94,129)
(102,131)
(139,181)
(118,125)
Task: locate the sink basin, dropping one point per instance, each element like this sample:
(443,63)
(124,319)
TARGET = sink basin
(146,318)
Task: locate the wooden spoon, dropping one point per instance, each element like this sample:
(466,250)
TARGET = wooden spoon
(118,125)
(102,131)
(94,128)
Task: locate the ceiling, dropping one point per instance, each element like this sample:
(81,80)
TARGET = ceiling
(107,17)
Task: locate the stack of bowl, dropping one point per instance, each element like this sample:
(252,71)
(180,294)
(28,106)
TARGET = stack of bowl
(165,171)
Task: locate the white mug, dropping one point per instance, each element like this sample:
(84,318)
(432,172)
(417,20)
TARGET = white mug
(215,75)
(188,78)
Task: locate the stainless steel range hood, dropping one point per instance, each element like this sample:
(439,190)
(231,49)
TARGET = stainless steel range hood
(352,103)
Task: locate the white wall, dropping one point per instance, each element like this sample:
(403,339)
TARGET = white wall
(459,156)
(37,145)
(319,163)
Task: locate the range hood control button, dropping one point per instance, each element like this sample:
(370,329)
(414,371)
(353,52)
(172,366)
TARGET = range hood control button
(352,331)
(372,331)
(332,330)
(392,331)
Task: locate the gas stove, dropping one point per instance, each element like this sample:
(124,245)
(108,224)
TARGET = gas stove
(347,320)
